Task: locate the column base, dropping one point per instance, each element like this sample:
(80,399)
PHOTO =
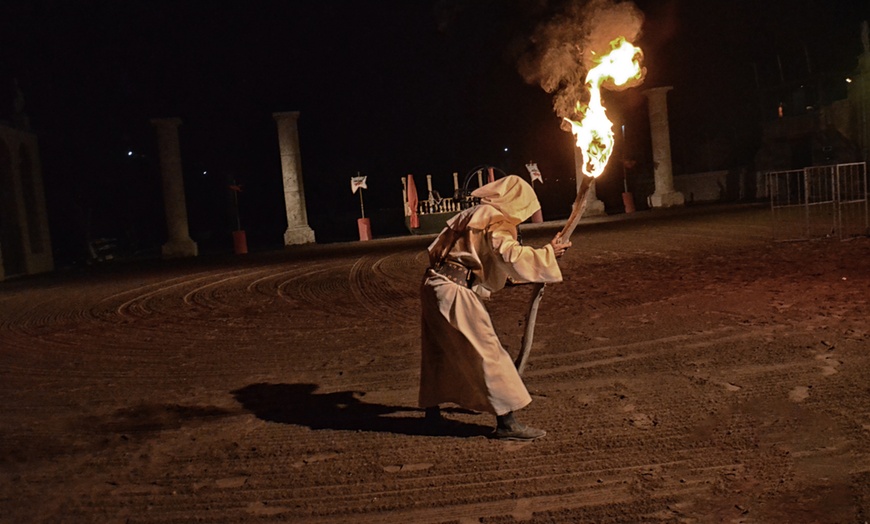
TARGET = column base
(179,248)
(39,263)
(594,208)
(672,199)
(298,235)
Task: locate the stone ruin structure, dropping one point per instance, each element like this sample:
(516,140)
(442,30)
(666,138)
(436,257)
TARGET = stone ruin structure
(25,242)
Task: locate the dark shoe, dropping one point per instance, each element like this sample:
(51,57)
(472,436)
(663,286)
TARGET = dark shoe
(433,415)
(508,428)
(437,425)
(519,432)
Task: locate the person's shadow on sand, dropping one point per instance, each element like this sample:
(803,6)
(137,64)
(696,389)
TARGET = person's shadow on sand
(300,404)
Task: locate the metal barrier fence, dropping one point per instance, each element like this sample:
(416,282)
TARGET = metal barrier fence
(819,202)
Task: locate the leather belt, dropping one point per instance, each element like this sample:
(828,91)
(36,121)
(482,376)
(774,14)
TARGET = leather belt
(456,273)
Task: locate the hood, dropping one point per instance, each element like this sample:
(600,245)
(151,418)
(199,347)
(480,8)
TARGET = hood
(512,196)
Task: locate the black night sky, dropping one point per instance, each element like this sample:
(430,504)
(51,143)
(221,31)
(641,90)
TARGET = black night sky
(384,87)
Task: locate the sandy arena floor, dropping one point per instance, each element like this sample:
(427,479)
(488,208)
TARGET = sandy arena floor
(688,370)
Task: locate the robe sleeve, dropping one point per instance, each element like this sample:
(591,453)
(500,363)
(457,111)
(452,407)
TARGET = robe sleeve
(526,263)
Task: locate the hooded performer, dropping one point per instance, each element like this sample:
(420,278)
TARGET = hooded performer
(463,361)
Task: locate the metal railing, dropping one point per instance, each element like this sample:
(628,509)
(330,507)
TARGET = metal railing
(436,204)
(819,202)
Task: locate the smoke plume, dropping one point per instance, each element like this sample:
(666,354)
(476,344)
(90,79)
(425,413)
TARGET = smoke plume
(561,50)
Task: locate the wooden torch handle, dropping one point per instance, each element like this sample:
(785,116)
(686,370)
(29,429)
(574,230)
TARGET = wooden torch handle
(538,290)
(579,207)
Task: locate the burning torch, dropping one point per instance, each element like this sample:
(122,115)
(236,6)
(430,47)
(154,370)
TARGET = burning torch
(619,69)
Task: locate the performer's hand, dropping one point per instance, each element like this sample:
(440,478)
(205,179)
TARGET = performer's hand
(558,247)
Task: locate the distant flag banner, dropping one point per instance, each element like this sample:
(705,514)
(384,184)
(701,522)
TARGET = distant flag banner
(534,172)
(357,182)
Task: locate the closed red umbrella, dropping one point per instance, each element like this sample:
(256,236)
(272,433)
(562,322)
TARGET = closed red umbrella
(412,203)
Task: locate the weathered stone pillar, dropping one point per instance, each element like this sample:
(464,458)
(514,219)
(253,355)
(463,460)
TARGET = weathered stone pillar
(179,243)
(298,231)
(594,207)
(25,241)
(665,195)
(859,97)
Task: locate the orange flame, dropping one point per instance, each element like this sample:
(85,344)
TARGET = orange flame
(594,131)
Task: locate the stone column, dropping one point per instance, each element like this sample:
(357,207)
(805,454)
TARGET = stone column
(298,231)
(39,253)
(24,228)
(594,207)
(665,195)
(179,243)
(859,95)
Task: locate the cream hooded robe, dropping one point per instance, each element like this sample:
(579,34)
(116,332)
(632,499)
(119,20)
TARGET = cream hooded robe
(463,361)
